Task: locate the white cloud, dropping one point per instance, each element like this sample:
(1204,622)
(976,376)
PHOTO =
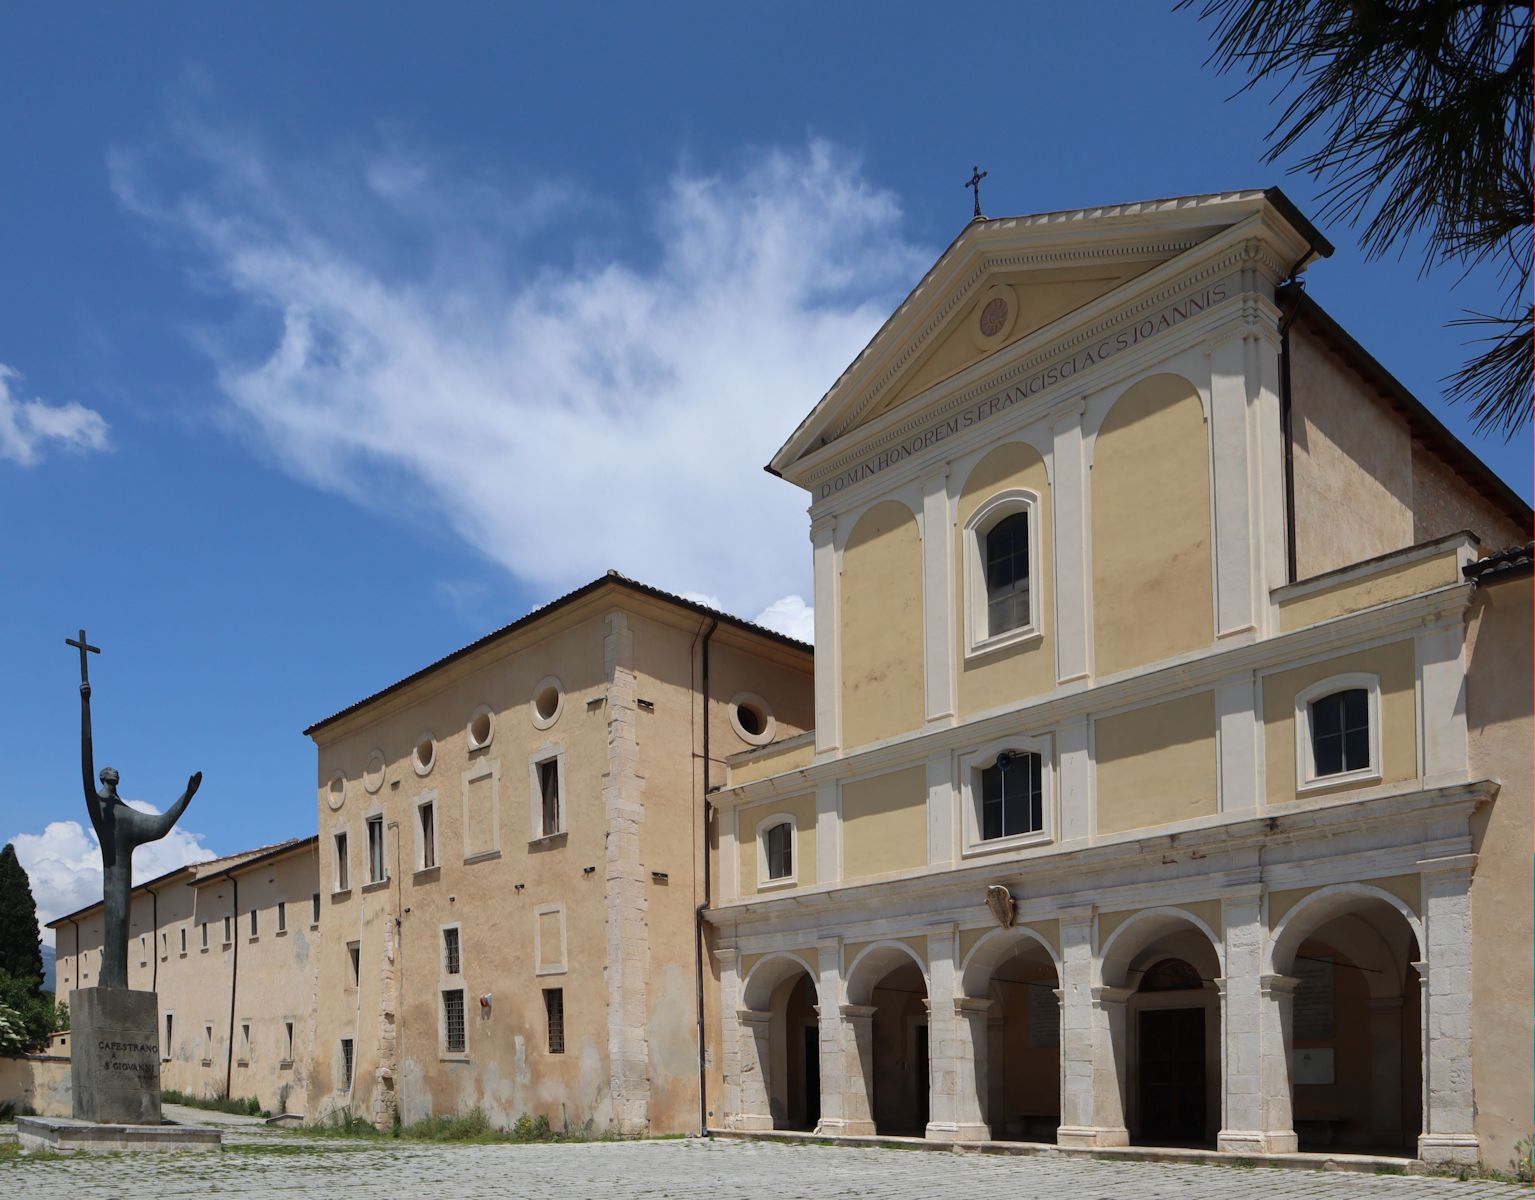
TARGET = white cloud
(25,425)
(63,863)
(790,615)
(612,410)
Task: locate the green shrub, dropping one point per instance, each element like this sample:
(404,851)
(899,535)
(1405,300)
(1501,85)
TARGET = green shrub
(1524,1159)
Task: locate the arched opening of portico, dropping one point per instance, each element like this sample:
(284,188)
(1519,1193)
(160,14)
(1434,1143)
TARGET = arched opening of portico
(1160,970)
(782,1048)
(887,990)
(1353,1030)
(1021,1085)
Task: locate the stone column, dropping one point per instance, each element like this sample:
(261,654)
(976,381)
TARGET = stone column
(951,1047)
(834,1079)
(1275,1021)
(1079,1028)
(756,1042)
(1386,1068)
(967,1059)
(858,1069)
(1111,1052)
(1241,1129)
(1449,1103)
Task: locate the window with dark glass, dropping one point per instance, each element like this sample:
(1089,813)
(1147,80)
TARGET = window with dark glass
(779,848)
(1007,574)
(1011,800)
(1340,732)
(427,814)
(376,870)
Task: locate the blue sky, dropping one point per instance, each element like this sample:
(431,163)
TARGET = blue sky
(334,336)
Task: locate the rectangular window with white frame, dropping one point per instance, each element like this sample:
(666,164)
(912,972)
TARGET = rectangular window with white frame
(1006,791)
(426,833)
(776,866)
(377,870)
(343,864)
(1001,572)
(546,783)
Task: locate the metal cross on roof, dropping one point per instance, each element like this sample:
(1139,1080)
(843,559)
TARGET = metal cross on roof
(975,182)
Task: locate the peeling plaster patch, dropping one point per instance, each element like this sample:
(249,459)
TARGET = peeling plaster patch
(523,1075)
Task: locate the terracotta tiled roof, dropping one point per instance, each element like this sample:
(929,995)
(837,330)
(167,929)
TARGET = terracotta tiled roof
(1516,560)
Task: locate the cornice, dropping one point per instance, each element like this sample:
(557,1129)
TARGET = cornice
(1321,821)
(1234,250)
(1204,668)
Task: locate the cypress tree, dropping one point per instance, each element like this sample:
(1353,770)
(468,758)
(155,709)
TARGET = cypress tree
(21,953)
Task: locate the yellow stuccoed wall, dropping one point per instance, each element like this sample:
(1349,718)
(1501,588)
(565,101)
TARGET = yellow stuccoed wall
(1500,659)
(1393,583)
(1157,765)
(882,686)
(1152,589)
(884,823)
(1008,675)
(802,809)
(1398,715)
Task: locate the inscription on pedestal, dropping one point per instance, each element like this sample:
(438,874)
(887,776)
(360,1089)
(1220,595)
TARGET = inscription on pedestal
(115,1059)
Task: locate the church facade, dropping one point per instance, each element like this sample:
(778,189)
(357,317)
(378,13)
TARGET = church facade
(1170,780)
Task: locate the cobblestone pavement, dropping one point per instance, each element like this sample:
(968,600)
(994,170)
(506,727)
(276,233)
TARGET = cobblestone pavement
(291,1166)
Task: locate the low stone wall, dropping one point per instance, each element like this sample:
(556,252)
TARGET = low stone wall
(36,1083)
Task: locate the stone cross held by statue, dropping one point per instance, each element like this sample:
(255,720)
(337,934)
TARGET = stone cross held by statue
(974,182)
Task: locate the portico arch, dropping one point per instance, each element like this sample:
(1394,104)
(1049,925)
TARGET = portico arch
(1015,972)
(889,1059)
(1160,1000)
(1350,1018)
(780,1049)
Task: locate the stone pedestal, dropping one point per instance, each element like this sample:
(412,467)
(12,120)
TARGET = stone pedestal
(115,1057)
(58,1135)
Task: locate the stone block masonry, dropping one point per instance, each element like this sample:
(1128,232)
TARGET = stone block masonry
(115,1060)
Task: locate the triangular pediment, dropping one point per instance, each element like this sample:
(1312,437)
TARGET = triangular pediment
(1006,280)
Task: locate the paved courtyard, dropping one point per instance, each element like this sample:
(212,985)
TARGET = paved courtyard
(291,1166)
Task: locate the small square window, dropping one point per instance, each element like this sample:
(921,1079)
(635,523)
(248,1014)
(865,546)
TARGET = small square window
(1340,732)
(554,1012)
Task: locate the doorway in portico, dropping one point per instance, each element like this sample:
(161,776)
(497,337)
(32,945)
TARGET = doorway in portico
(1021,1083)
(901,1052)
(1176,1027)
(785,1051)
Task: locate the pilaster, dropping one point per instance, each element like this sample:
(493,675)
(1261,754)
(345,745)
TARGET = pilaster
(1075,780)
(828,604)
(755,1038)
(1241,1128)
(1449,1101)
(834,1081)
(1443,737)
(938,617)
(1237,738)
(1236,598)
(1069,505)
(858,1069)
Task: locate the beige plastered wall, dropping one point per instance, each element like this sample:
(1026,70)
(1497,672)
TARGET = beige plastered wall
(1443,504)
(1352,464)
(802,809)
(881,626)
(1026,669)
(1152,589)
(275,983)
(884,823)
(1394,664)
(508,1070)
(1499,722)
(668,662)
(1156,765)
(36,1083)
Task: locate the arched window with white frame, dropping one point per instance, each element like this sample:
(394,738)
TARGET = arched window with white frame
(1337,732)
(1002,585)
(1007,789)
